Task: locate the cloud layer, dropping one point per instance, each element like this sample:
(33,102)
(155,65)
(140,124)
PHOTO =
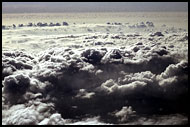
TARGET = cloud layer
(111,73)
(67,84)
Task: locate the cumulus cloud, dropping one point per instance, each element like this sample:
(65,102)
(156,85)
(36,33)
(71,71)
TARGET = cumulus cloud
(174,80)
(84,94)
(20,115)
(55,119)
(111,87)
(172,70)
(92,56)
(15,86)
(145,76)
(33,112)
(125,113)
(13,61)
(89,121)
(113,55)
(72,84)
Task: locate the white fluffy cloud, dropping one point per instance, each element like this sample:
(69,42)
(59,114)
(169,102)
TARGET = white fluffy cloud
(60,85)
(55,119)
(20,115)
(125,113)
(173,70)
(111,87)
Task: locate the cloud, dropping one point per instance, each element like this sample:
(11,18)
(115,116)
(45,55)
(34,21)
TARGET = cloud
(111,56)
(21,115)
(125,113)
(84,94)
(70,85)
(174,80)
(15,86)
(173,119)
(55,119)
(145,76)
(111,87)
(31,113)
(92,56)
(89,121)
(13,61)
(172,70)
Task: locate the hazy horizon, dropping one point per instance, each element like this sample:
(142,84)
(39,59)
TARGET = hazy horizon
(60,7)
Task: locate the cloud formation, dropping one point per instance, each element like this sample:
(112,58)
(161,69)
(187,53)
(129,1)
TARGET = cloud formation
(145,82)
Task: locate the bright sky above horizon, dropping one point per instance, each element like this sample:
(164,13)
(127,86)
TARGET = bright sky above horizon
(51,7)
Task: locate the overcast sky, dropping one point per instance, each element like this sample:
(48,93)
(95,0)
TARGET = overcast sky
(38,7)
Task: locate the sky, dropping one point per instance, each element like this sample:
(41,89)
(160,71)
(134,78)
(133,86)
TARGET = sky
(51,7)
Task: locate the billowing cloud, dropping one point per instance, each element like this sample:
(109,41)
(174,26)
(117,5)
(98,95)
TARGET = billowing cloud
(70,81)
(125,113)
(140,80)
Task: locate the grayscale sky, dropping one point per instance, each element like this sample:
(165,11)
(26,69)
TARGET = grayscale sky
(38,7)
